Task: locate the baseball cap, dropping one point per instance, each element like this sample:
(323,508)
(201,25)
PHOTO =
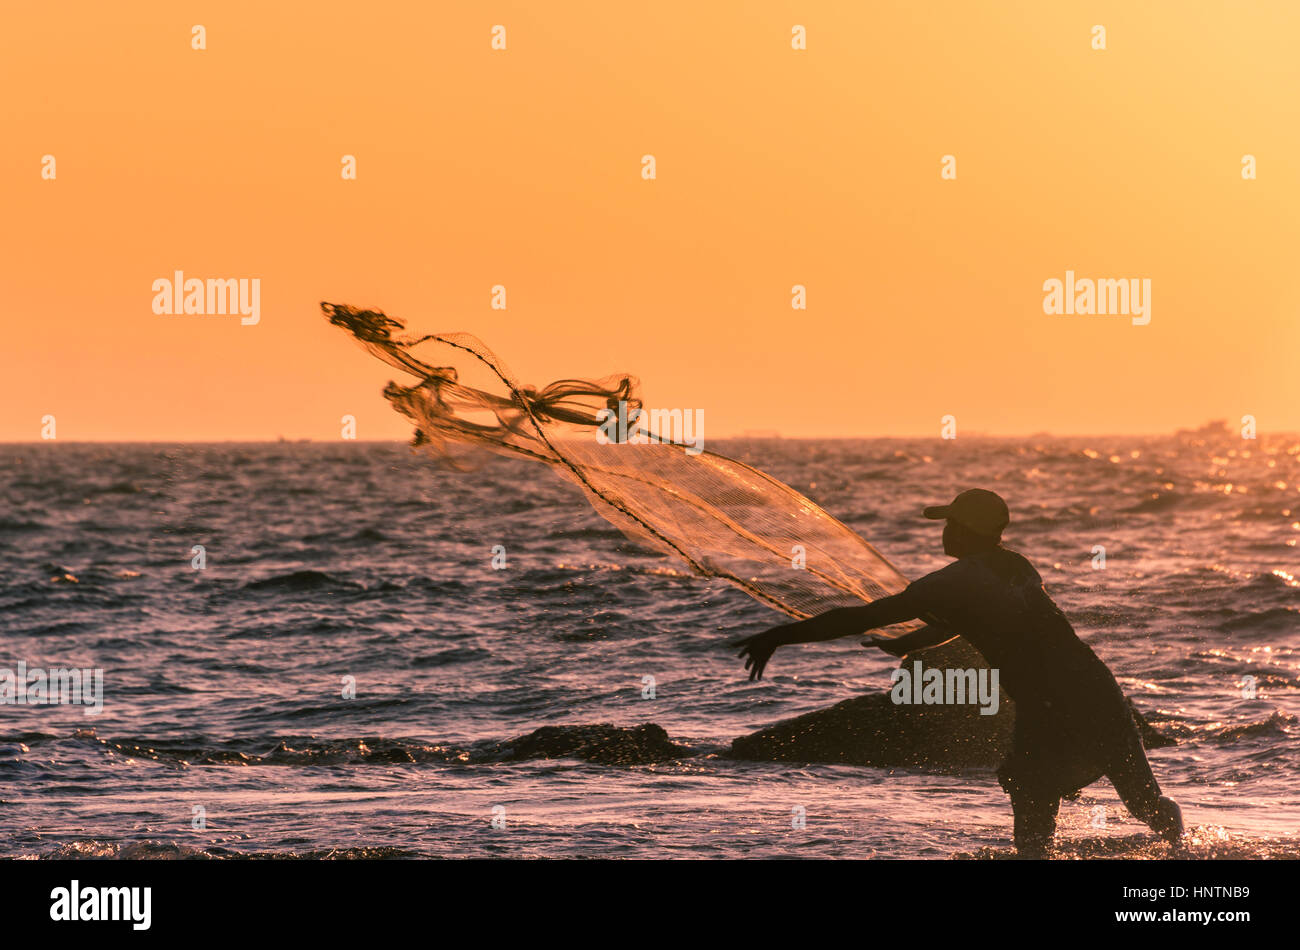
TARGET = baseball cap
(984,512)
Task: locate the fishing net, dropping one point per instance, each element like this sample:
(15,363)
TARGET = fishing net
(721,517)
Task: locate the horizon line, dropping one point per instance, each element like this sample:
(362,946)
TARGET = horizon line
(736,437)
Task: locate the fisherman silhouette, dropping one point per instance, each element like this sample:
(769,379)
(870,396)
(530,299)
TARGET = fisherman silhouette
(1073,724)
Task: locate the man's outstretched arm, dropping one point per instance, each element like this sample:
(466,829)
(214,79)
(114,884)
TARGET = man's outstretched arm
(847,621)
(836,623)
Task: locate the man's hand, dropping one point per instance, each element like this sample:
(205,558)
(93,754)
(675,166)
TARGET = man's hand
(758,649)
(888,644)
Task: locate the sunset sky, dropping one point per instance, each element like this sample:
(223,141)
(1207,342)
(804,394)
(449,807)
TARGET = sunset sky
(775,167)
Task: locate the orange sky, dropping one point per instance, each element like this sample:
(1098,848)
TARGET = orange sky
(775,167)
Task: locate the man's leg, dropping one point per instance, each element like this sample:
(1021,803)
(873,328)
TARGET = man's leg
(1035,823)
(1140,792)
(1033,808)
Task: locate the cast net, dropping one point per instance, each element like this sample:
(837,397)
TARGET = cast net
(720,517)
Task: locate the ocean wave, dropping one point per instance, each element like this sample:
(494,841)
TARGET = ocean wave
(1272,620)
(599,743)
(92,850)
(1200,843)
(291,751)
(1275,726)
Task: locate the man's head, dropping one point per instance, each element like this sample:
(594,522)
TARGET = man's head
(975,521)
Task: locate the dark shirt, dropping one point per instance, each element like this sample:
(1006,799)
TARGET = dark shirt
(995,599)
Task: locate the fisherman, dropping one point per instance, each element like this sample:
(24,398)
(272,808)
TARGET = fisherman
(1073,724)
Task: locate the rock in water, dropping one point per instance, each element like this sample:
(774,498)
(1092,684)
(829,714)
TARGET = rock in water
(601,743)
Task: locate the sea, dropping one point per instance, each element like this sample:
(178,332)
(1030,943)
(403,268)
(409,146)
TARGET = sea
(349,650)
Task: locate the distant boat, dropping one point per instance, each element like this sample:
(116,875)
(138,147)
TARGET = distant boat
(1214,427)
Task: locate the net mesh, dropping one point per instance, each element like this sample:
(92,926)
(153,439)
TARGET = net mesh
(721,517)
